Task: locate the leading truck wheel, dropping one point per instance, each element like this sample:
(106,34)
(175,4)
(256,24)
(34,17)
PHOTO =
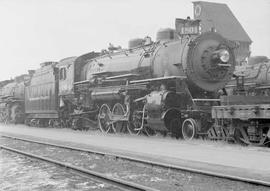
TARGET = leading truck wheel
(189,128)
(104,119)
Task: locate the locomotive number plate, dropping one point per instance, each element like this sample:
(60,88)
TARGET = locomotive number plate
(187,26)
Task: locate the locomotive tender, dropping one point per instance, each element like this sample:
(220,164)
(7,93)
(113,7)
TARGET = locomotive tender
(41,95)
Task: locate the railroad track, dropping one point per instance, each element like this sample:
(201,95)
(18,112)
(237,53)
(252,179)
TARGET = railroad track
(122,184)
(118,182)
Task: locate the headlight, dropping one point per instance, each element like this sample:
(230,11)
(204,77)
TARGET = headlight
(224,55)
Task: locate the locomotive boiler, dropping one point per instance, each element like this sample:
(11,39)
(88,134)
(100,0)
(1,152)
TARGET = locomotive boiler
(168,85)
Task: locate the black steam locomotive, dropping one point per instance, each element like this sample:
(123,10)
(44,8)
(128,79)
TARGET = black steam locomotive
(12,98)
(166,86)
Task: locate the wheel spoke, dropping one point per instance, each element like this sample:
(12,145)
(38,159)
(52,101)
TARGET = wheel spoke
(189,129)
(104,120)
(119,111)
(132,129)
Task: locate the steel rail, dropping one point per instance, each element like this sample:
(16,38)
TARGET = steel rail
(151,163)
(122,184)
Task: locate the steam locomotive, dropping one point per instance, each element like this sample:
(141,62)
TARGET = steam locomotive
(166,86)
(12,99)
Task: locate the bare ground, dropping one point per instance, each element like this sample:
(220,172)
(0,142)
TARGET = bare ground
(208,155)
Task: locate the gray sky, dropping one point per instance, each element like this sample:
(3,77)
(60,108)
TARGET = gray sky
(34,31)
